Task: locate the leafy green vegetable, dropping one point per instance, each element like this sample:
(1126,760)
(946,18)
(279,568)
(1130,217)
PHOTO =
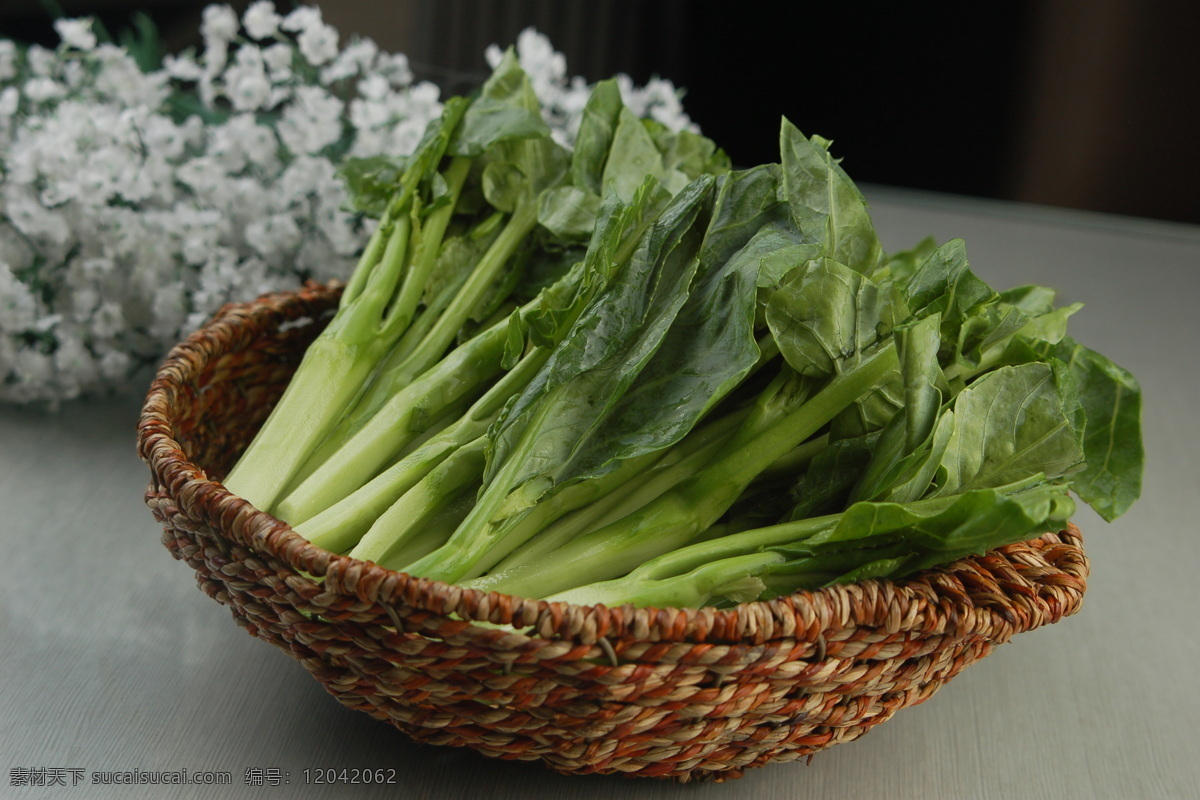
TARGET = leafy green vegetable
(628,374)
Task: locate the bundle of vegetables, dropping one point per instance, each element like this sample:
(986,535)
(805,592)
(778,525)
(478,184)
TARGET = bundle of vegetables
(630,374)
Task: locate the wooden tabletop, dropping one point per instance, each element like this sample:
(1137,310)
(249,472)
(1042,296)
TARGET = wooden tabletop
(114,664)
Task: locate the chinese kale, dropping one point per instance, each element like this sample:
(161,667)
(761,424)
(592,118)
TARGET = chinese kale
(628,374)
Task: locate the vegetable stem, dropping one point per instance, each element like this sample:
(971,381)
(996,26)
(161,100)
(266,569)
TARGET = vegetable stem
(674,518)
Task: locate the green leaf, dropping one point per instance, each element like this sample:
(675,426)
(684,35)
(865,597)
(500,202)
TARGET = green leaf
(917,345)
(617,230)
(504,185)
(1049,326)
(688,153)
(910,449)
(825,486)
(709,346)
(603,353)
(518,171)
(507,108)
(371,182)
(897,473)
(902,265)
(825,314)
(568,212)
(1012,423)
(945,285)
(597,129)
(825,204)
(632,158)
(456,259)
(1033,300)
(893,540)
(748,205)
(1112,443)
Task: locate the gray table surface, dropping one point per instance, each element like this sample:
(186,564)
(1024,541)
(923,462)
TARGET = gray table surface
(111,659)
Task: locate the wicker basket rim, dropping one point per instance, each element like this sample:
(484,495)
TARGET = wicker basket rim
(1013,589)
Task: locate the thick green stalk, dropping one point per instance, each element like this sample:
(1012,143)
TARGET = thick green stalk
(433,533)
(404,521)
(686,559)
(465,370)
(339,363)
(405,328)
(667,470)
(737,576)
(421,355)
(674,518)
(425,250)
(330,377)
(343,524)
(482,528)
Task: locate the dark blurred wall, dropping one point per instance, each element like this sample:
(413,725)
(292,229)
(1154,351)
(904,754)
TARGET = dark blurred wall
(1090,105)
(1111,113)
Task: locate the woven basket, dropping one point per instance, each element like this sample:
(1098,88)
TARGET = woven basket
(649,692)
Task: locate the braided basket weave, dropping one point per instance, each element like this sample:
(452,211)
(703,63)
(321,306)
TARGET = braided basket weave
(665,693)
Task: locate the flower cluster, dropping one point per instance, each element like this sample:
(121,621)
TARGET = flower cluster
(134,203)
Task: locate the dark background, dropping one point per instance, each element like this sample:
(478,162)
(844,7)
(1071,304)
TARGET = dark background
(1088,105)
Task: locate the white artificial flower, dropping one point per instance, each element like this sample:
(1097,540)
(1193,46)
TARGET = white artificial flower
(74,75)
(169,306)
(278,58)
(303,178)
(107,320)
(362,52)
(219,24)
(162,137)
(260,20)
(43,225)
(274,238)
(43,90)
(374,87)
(183,67)
(8,59)
(76,33)
(241,142)
(357,58)
(394,67)
(539,58)
(339,227)
(657,100)
(301,19)
(120,79)
(10,100)
(31,376)
(200,174)
(394,122)
(493,55)
(312,122)
(247,88)
(201,232)
(114,366)
(18,309)
(42,62)
(122,227)
(214,59)
(318,43)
